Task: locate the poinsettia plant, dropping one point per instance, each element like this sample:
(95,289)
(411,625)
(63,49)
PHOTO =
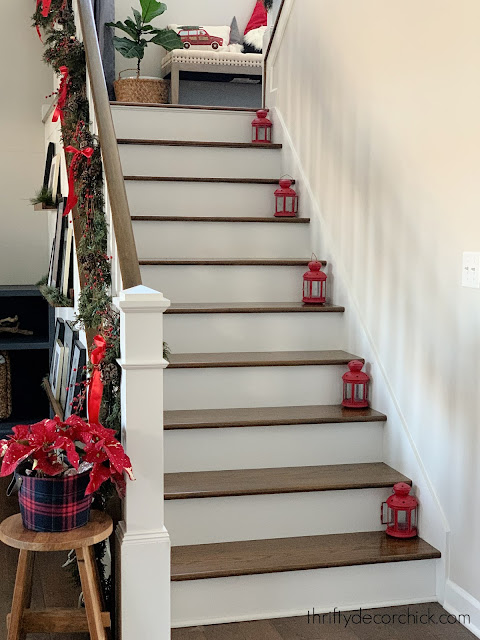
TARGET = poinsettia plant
(52,448)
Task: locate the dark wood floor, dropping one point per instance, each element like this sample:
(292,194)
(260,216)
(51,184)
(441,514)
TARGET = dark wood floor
(300,629)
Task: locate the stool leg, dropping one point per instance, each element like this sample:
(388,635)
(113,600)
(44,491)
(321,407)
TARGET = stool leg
(91,592)
(22,594)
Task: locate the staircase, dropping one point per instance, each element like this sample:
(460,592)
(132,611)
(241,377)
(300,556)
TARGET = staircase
(272,489)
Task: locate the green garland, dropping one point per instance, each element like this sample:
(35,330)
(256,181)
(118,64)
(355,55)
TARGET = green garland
(95,314)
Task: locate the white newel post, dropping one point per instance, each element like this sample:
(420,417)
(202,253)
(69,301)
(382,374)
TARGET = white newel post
(144,543)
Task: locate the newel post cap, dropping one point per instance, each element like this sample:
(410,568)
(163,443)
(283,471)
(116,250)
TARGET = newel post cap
(142,298)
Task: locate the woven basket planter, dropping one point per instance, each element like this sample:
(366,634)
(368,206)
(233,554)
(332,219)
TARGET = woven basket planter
(143,90)
(53,504)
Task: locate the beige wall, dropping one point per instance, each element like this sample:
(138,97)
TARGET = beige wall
(382,103)
(25,83)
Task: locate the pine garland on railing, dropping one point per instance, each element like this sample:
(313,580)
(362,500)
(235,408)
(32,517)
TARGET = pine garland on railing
(66,55)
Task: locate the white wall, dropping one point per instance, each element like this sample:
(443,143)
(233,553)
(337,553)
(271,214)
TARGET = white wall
(26,80)
(207,12)
(382,104)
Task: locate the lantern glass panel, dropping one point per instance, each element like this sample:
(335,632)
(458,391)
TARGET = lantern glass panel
(402,520)
(414,519)
(269,134)
(359,389)
(306,289)
(347,390)
(316,289)
(261,134)
(289,204)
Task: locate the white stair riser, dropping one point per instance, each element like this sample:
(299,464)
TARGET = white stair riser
(182,124)
(210,520)
(200,199)
(293,593)
(200,162)
(224,332)
(270,447)
(231,387)
(220,283)
(221,240)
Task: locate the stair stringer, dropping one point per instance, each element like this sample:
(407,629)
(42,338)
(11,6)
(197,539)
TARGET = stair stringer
(400,450)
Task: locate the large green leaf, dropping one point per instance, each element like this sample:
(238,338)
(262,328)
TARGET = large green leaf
(124,26)
(138,17)
(151,9)
(168,39)
(128,48)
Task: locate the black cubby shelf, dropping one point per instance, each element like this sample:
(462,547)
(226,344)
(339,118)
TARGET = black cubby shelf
(29,354)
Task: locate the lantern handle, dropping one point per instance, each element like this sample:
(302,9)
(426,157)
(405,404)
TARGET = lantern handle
(314,257)
(287,175)
(382,513)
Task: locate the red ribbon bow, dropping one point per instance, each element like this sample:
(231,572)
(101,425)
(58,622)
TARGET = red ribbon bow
(45,7)
(72,198)
(95,388)
(62,95)
(45,11)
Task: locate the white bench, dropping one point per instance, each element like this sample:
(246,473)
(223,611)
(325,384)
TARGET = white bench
(226,62)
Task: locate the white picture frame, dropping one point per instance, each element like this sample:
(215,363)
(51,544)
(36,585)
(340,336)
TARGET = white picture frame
(57,368)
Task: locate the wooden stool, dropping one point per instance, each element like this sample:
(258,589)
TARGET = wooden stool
(23,620)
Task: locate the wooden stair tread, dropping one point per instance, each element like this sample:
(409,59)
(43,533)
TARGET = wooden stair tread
(115,103)
(207,180)
(241,262)
(249,482)
(267,417)
(294,554)
(199,143)
(252,307)
(259,219)
(260,359)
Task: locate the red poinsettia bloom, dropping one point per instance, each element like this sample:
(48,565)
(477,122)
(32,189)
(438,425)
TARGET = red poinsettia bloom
(53,446)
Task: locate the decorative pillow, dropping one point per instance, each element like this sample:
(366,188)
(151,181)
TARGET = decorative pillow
(235,37)
(255,29)
(203,37)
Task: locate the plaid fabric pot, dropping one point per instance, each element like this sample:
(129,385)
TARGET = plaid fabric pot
(54,504)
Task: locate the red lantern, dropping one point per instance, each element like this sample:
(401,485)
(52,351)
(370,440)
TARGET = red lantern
(355,386)
(314,284)
(286,200)
(261,128)
(400,512)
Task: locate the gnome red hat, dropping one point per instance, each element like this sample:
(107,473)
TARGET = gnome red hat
(256,27)
(258,19)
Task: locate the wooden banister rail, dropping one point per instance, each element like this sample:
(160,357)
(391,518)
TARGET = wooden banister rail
(122,223)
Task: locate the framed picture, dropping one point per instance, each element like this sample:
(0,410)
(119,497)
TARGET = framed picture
(54,272)
(53,178)
(56,371)
(48,164)
(66,266)
(59,333)
(69,339)
(77,377)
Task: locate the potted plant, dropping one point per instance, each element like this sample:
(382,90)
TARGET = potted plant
(140,89)
(43,199)
(57,467)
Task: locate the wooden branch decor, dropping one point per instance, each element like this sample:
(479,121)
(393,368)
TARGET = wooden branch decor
(12,325)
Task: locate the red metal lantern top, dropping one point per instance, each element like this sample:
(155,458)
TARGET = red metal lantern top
(285,188)
(261,120)
(355,375)
(400,499)
(315,272)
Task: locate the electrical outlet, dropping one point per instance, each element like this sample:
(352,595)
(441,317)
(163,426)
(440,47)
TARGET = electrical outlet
(471,269)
